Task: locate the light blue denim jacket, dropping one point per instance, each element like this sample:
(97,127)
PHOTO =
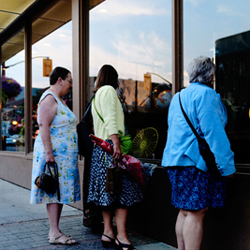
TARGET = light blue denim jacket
(208,115)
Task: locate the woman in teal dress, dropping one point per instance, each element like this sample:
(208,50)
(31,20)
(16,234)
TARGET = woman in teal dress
(56,142)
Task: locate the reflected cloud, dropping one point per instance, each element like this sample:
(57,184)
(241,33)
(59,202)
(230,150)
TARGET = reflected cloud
(225,9)
(194,2)
(136,8)
(132,61)
(103,10)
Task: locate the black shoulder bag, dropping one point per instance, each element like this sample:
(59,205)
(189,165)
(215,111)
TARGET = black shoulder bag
(47,182)
(84,129)
(85,145)
(204,148)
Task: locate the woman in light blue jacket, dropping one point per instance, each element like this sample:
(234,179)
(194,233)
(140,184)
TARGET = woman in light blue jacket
(194,189)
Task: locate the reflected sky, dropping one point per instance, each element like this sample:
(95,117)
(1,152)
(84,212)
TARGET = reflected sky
(135,37)
(207,21)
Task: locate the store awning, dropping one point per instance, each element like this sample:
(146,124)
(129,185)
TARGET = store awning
(14,14)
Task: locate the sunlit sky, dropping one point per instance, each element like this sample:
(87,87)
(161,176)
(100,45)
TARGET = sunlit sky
(135,37)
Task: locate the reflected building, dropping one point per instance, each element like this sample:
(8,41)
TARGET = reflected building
(232,82)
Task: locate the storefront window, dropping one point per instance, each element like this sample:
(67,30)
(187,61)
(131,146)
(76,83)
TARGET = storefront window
(51,40)
(13,120)
(223,34)
(135,38)
(55,49)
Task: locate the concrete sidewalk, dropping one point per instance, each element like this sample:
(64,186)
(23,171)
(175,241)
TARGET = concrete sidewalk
(26,226)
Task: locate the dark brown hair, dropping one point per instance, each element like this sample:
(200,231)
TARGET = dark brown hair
(107,75)
(56,73)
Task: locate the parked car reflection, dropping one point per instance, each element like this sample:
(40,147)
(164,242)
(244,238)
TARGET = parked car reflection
(15,140)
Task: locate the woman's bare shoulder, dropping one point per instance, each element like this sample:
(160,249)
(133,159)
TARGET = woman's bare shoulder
(48,99)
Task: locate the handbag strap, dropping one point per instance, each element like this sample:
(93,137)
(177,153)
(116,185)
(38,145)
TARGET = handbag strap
(88,108)
(47,164)
(97,111)
(188,121)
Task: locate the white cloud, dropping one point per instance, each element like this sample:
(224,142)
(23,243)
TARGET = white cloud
(193,2)
(118,8)
(133,60)
(226,9)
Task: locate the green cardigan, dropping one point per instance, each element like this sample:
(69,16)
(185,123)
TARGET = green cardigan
(110,109)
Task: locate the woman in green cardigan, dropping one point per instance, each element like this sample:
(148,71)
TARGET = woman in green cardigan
(109,107)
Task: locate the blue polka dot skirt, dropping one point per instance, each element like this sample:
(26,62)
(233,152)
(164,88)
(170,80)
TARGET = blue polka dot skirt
(131,192)
(193,189)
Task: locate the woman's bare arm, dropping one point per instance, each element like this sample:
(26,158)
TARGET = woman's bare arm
(117,154)
(47,111)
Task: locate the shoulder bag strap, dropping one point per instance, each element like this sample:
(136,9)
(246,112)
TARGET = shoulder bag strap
(87,110)
(97,111)
(188,121)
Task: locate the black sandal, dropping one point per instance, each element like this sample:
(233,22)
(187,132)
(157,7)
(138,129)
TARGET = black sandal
(110,243)
(121,246)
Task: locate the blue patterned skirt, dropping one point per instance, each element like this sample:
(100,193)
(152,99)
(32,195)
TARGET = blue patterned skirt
(131,192)
(193,189)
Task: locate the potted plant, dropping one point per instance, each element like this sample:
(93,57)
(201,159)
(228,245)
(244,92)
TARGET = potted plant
(10,89)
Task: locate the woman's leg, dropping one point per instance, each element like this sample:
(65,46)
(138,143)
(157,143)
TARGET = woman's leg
(108,228)
(121,218)
(193,229)
(54,211)
(189,229)
(179,229)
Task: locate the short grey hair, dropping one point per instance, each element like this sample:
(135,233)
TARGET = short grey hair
(201,70)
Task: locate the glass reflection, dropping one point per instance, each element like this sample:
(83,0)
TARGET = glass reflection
(224,36)
(135,38)
(13,125)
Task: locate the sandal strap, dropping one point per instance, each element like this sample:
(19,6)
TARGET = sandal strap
(128,246)
(57,237)
(69,239)
(112,239)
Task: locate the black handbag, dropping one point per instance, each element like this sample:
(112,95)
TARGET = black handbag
(47,182)
(84,129)
(204,148)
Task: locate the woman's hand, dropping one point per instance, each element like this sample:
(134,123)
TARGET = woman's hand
(50,157)
(117,153)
